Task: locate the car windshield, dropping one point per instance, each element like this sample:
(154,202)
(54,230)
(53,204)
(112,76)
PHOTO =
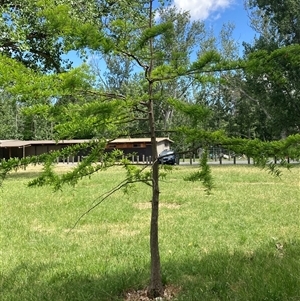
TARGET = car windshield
(166,152)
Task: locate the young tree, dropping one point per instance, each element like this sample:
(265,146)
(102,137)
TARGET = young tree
(128,29)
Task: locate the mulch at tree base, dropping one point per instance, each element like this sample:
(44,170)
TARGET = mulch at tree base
(170,293)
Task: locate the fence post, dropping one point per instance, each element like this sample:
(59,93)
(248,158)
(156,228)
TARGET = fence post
(215,154)
(249,160)
(137,159)
(234,159)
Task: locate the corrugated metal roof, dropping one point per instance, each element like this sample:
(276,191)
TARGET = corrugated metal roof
(136,140)
(13,143)
(20,143)
(74,141)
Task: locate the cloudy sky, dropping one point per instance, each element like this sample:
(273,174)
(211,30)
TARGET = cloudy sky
(217,12)
(204,9)
(214,13)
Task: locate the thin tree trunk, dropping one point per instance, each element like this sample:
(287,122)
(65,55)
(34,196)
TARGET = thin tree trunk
(155,288)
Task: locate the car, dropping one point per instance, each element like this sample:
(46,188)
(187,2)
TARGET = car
(167,157)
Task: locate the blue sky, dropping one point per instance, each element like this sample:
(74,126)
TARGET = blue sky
(214,13)
(217,12)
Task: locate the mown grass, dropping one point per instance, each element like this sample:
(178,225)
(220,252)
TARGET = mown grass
(240,243)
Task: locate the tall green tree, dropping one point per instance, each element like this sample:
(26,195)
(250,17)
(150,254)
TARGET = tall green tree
(11,118)
(281,17)
(269,85)
(26,37)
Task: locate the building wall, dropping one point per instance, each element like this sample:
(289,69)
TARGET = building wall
(162,145)
(38,149)
(11,152)
(142,149)
(3,153)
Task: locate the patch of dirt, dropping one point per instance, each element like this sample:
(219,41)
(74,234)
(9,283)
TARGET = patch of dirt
(161,205)
(43,229)
(170,293)
(258,183)
(119,230)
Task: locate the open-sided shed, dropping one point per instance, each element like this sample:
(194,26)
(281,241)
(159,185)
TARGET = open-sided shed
(20,149)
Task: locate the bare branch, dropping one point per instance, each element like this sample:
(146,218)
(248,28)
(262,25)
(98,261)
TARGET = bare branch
(257,101)
(108,95)
(145,67)
(105,195)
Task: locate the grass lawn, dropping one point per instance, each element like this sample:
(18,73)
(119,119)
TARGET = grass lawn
(240,243)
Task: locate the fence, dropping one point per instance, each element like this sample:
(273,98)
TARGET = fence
(182,160)
(142,159)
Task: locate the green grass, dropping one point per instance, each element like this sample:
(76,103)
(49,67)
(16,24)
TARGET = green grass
(240,243)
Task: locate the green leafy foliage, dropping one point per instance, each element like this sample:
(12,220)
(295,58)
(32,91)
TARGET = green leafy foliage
(207,59)
(281,16)
(204,174)
(153,32)
(195,112)
(100,118)
(96,159)
(28,37)
(272,72)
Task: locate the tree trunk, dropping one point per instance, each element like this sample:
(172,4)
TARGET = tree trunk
(155,288)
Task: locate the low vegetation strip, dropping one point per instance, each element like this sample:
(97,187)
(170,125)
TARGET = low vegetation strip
(239,243)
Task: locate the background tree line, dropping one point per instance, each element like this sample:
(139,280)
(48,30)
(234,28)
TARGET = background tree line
(260,101)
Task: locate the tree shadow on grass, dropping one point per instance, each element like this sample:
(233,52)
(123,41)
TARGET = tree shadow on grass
(41,282)
(271,273)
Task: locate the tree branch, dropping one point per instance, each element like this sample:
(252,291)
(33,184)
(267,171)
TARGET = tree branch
(145,67)
(105,195)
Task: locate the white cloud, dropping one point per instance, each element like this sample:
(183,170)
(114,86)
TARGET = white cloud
(202,9)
